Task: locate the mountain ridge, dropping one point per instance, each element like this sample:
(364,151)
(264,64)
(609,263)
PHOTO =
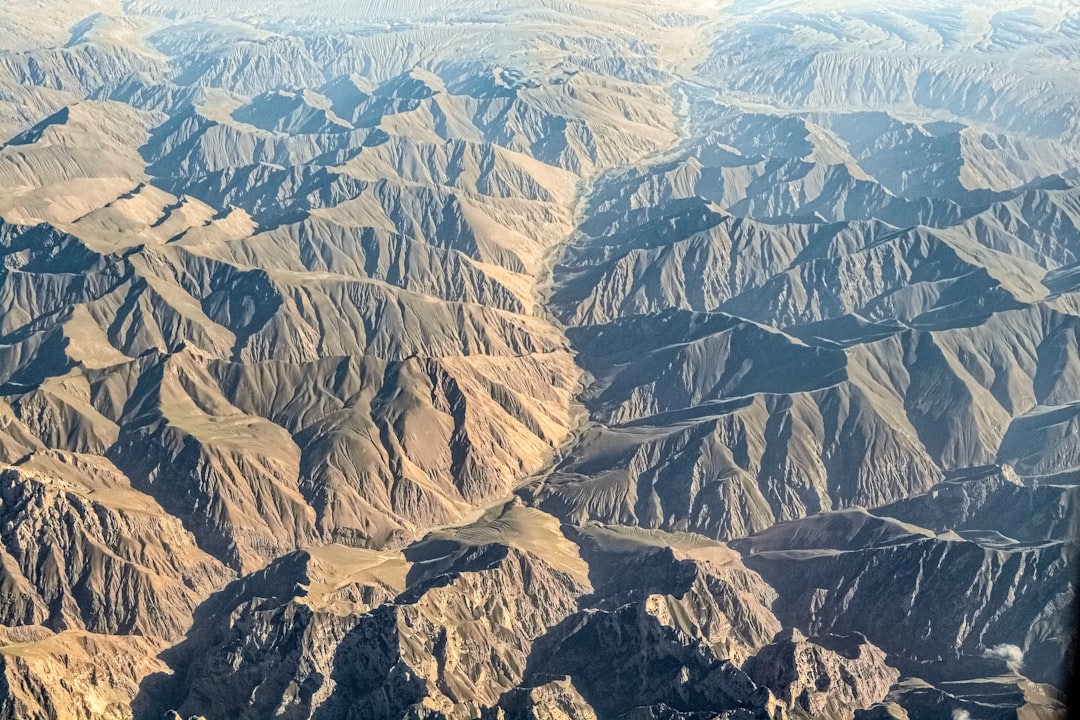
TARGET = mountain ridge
(538,360)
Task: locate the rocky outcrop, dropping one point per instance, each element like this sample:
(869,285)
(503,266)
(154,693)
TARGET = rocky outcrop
(831,676)
(554,700)
(446,627)
(646,664)
(687,582)
(72,674)
(83,550)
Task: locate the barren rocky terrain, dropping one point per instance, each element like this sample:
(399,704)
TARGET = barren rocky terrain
(538,360)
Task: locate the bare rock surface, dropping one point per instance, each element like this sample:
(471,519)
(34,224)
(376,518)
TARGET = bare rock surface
(538,359)
(832,676)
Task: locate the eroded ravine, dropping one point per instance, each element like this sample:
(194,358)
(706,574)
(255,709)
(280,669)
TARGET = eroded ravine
(353,369)
(547,281)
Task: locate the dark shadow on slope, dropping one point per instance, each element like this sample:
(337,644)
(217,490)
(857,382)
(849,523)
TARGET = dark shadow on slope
(645,664)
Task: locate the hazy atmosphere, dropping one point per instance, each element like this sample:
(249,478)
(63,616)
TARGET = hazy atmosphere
(539,359)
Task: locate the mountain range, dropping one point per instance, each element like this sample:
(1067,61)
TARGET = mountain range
(539,360)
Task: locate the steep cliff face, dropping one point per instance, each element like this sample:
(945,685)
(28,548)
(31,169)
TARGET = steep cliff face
(537,359)
(650,665)
(852,570)
(696,586)
(445,627)
(73,673)
(554,700)
(82,550)
(832,676)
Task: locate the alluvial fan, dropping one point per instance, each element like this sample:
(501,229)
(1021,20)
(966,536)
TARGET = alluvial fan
(538,360)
